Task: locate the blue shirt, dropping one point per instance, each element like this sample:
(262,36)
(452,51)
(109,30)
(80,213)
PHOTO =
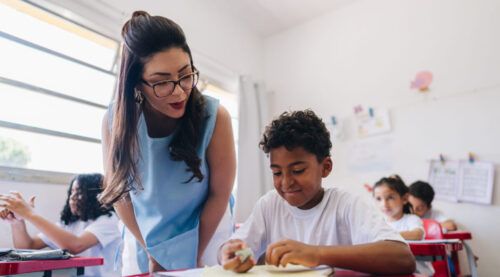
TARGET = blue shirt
(168,209)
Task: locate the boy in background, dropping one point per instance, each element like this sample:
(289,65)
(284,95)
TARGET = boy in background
(421,196)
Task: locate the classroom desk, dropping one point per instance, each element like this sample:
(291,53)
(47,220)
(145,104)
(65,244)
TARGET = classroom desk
(434,250)
(47,268)
(338,272)
(463,236)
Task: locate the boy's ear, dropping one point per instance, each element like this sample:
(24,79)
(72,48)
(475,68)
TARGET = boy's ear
(327,167)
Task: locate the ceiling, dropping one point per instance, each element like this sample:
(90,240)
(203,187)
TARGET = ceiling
(267,17)
(262,17)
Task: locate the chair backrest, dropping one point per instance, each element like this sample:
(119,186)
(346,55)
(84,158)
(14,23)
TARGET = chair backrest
(432,229)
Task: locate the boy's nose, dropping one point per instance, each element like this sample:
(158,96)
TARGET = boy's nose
(286,181)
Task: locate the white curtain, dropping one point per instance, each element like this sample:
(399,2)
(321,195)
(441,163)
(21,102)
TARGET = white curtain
(254,175)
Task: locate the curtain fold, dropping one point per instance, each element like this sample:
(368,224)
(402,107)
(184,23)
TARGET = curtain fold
(254,175)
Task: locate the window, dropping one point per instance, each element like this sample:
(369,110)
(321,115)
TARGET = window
(230,102)
(56,80)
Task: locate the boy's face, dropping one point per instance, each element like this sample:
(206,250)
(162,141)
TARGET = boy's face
(297,176)
(419,206)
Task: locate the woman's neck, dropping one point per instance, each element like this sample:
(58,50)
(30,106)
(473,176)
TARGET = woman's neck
(158,124)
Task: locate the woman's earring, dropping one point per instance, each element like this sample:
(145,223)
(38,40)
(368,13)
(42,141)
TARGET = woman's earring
(139,98)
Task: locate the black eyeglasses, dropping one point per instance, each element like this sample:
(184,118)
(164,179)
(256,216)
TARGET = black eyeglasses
(166,88)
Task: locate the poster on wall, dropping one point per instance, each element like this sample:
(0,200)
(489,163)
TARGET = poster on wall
(371,155)
(371,121)
(462,181)
(443,177)
(476,182)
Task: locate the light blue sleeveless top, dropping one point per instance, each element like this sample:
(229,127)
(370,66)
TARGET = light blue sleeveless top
(168,209)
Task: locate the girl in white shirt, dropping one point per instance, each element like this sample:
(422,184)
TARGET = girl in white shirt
(85,229)
(391,195)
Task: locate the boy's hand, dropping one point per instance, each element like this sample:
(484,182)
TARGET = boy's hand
(293,252)
(229,259)
(154,266)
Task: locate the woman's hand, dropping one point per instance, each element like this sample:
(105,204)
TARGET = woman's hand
(293,252)
(230,261)
(15,203)
(154,266)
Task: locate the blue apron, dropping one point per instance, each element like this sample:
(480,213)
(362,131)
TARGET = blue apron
(168,209)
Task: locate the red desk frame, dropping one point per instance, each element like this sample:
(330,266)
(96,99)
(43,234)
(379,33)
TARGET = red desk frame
(436,251)
(462,235)
(20,267)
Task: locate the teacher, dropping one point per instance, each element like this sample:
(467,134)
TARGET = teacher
(169,152)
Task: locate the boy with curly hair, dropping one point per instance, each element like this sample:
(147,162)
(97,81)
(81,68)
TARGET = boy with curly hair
(300,222)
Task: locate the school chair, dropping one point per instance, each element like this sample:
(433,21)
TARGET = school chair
(433,230)
(432,252)
(463,236)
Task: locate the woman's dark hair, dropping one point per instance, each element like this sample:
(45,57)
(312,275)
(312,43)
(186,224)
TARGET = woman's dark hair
(89,208)
(298,129)
(422,190)
(143,36)
(395,183)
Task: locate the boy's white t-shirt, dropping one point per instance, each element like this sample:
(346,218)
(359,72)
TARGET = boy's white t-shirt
(407,223)
(436,215)
(105,228)
(339,219)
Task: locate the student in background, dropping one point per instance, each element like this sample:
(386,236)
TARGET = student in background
(85,229)
(391,195)
(421,196)
(302,223)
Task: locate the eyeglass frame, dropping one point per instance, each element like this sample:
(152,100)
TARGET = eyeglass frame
(176,83)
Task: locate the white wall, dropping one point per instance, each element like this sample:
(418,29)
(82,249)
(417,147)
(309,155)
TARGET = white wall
(366,53)
(214,35)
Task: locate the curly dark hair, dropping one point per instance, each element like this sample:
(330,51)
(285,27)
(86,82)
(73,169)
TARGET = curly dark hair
(89,186)
(422,190)
(394,182)
(298,129)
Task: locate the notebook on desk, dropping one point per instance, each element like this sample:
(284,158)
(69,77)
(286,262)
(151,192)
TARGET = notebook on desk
(9,254)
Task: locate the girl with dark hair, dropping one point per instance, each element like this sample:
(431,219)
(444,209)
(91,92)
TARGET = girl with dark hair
(391,195)
(85,229)
(169,151)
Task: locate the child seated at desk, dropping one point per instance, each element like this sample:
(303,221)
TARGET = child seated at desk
(302,223)
(391,195)
(85,229)
(421,196)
